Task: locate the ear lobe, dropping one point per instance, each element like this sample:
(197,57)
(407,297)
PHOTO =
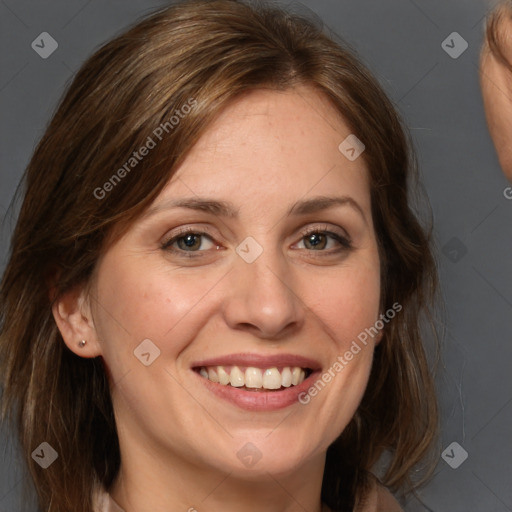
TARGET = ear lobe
(72,314)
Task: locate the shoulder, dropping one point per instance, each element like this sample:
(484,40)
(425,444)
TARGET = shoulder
(379,499)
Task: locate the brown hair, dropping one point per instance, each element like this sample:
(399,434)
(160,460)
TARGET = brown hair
(209,52)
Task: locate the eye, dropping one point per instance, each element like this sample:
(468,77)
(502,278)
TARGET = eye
(315,239)
(189,241)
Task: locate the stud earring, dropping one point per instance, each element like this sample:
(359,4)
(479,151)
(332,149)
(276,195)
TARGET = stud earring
(82,343)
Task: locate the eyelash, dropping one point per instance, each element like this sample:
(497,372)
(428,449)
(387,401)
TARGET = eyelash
(344,242)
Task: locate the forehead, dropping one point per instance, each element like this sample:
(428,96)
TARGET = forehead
(275,144)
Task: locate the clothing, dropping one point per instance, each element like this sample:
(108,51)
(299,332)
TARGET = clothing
(103,502)
(379,500)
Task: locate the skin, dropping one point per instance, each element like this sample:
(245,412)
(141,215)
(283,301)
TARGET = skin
(496,84)
(265,152)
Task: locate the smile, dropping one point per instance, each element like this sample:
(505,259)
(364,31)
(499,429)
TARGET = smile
(254,378)
(257,382)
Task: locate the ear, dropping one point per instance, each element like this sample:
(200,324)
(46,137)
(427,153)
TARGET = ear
(72,313)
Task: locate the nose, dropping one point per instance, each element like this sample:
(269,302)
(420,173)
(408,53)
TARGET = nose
(263,298)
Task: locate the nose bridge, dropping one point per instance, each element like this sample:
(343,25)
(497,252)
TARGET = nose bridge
(263,296)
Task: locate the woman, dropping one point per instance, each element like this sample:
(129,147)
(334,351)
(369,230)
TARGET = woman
(213,296)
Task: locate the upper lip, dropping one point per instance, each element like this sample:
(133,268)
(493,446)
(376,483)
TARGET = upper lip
(260,361)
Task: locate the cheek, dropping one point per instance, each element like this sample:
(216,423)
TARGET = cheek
(348,302)
(348,309)
(137,300)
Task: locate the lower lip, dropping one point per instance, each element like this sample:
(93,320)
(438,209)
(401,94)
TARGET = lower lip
(260,400)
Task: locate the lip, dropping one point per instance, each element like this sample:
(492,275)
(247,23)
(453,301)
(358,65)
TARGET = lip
(260,400)
(260,361)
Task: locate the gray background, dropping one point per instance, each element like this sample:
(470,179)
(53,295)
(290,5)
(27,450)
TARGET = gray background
(439,97)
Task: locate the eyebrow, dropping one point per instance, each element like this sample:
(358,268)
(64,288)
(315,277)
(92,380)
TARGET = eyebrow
(228,210)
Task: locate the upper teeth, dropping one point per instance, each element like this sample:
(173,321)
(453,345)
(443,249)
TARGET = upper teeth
(252,377)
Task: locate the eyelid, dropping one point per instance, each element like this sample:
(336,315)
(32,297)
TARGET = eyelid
(185,230)
(343,240)
(328,229)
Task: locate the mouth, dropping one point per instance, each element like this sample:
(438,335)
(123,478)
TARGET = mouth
(252,378)
(258,383)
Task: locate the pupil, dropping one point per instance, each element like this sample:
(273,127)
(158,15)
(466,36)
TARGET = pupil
(315,239)
(190,241)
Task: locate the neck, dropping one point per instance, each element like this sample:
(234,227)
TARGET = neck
(148,482)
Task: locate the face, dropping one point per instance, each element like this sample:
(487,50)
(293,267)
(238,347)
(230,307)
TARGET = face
(264,274)
(496,82)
